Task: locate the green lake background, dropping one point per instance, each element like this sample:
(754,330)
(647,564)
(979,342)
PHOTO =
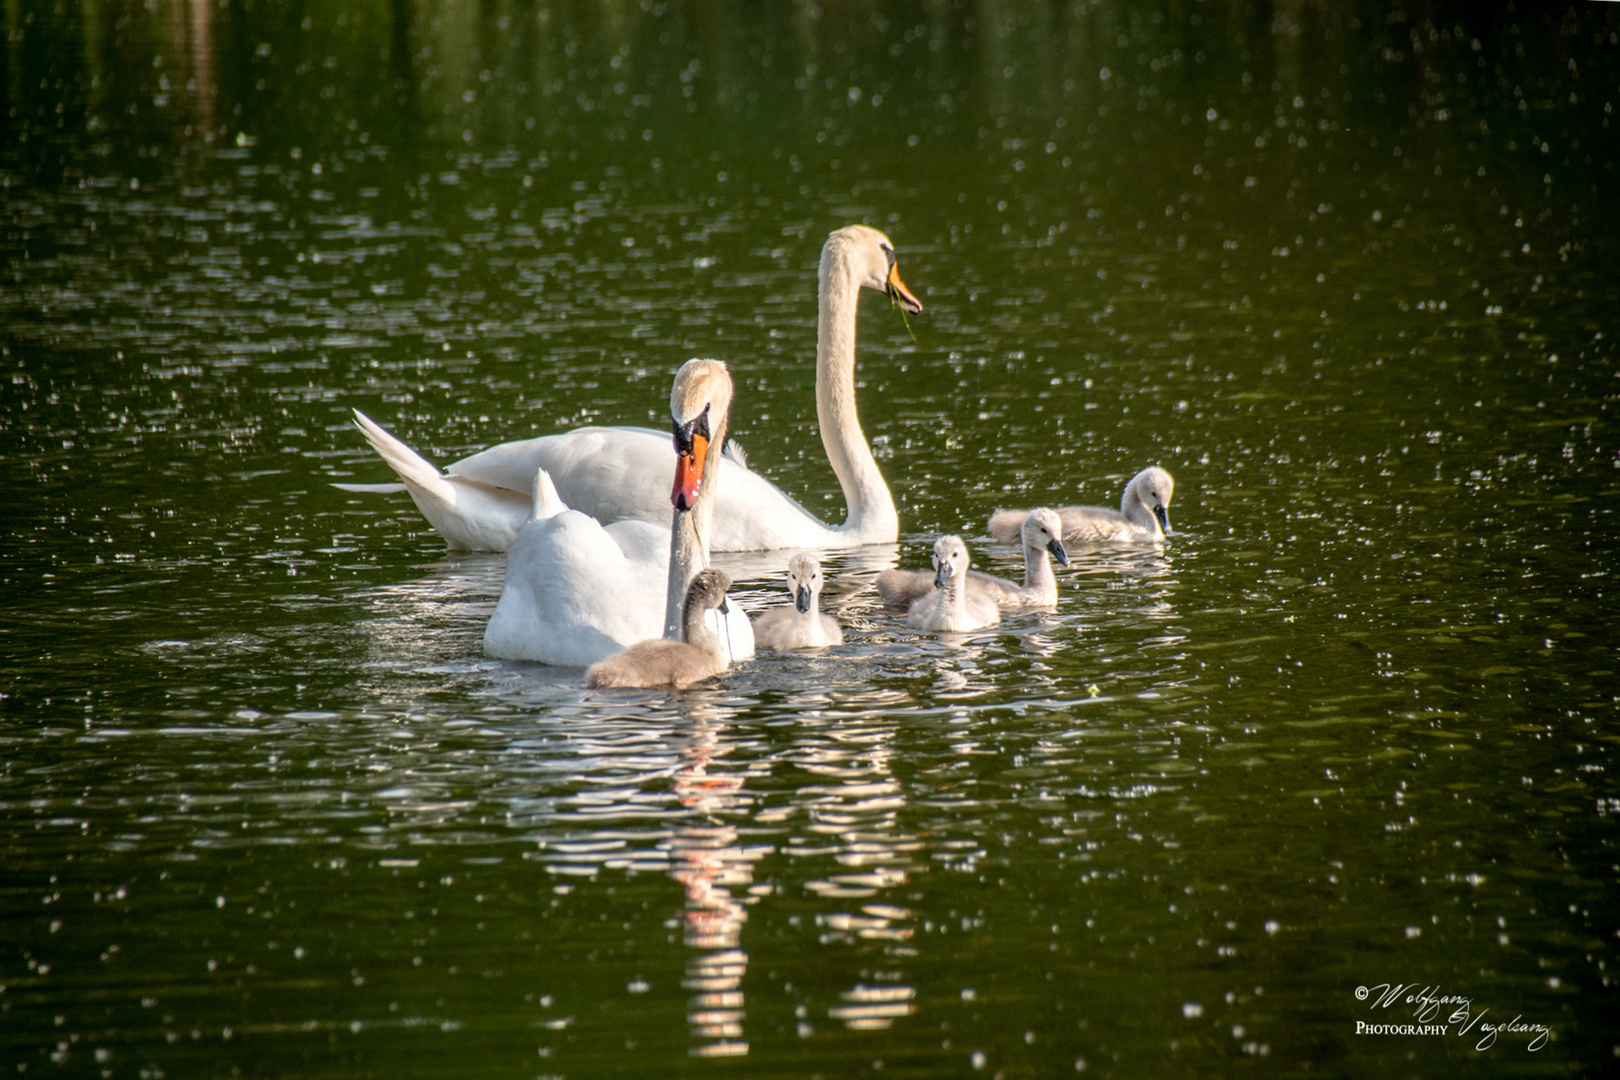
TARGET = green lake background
(1349,273)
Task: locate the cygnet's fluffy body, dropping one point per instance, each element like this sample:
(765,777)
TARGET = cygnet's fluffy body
(697,656)
(950,605)
(800,625)
(1040,539)
(1143,515)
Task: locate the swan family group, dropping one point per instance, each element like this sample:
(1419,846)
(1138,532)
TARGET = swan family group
(594,536)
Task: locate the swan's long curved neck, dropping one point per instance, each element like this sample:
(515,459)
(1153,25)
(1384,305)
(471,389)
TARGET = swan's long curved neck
(689,537)
(688,554)
(871,507)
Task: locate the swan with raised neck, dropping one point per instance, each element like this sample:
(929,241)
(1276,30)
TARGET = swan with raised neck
(618,473)
(577,591)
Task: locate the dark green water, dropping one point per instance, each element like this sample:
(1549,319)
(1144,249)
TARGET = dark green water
(266,810)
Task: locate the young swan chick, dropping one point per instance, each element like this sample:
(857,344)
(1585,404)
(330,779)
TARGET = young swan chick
(802,625)
(1040,535)
(951,605)
(697,656)
(1143,515)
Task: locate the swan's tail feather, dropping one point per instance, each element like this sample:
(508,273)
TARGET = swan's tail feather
(468,514)
(372,489)
(547,503)
(417,472)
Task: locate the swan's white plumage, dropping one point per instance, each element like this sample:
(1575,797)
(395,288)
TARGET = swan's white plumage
(572,596)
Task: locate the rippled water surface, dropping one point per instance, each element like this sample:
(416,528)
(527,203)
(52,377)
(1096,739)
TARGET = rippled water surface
(266,809)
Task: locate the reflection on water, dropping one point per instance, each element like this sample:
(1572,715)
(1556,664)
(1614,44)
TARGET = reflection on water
(1346,273)
(709,864)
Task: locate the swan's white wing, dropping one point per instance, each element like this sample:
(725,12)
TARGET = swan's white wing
(641,541)
(737,632)
(1097,524)
(753,514)
(610,473)
(571,597)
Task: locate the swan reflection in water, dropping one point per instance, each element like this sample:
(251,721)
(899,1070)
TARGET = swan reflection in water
(851,796)
(708,861)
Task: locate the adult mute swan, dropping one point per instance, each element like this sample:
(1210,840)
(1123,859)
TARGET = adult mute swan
(577,591)
(662,662)
(951,605)
(800,625)
(617,473)
(1143,515)
(1040,535)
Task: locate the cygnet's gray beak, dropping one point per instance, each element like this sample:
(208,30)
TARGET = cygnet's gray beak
(1055,546)
(801,599)
(1163,514)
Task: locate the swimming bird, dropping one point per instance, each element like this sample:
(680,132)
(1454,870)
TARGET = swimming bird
(800,625)
(614,473)
(577,591)
(697,656)
(1143,515)
(950,605)
(1039,535)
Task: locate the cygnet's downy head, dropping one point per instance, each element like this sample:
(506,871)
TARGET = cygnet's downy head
(708,590)
(1044,529)
(1152,488)
(804,581)
(950,560)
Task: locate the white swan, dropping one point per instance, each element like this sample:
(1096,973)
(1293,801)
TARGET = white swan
(615,473)
(951,605)
(1040,536)
(800,625)
(577,591)
(1143,515)
(698,655)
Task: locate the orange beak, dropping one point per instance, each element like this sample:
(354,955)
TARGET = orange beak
(899,293)
(689,474)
